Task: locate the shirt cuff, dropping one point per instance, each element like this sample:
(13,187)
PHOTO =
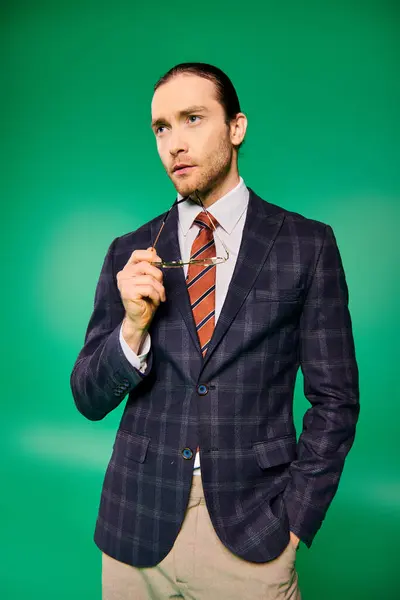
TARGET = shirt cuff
(137,360)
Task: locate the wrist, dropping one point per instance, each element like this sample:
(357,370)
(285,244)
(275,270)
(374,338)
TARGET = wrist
(294,539)
(133,336)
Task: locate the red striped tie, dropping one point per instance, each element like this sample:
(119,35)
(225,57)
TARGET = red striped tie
(200,280)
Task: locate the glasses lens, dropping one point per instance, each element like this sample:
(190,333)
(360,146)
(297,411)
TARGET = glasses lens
(207,261)
(179,263)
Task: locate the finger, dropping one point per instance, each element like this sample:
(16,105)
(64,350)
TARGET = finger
(142,268)
(155,258)
(140,255)
(147,291)
(145,280)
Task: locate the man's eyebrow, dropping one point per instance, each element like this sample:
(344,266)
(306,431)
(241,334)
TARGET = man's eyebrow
(192,109)
(183,113)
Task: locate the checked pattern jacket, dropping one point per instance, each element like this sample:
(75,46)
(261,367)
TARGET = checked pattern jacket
(286,309)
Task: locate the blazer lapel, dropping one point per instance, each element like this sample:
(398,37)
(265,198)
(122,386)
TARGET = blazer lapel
(262,224)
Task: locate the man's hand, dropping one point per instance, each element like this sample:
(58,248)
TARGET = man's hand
(141,287)
(294,539)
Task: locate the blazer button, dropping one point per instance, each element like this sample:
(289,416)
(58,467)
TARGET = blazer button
(187,453)
(202,389)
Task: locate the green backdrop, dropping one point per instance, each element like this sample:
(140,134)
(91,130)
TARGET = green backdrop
(319,84)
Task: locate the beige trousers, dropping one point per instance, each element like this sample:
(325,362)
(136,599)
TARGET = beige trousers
(200,567)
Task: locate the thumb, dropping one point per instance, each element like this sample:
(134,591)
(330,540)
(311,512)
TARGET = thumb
(155,253)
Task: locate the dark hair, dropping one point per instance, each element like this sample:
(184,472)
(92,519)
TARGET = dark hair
(225,90)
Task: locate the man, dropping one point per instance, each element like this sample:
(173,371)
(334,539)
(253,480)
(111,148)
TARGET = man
(208,492)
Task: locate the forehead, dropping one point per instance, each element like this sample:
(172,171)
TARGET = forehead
(182,91)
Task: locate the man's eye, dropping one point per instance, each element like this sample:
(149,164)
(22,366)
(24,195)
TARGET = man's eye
(194,117)
(158,128)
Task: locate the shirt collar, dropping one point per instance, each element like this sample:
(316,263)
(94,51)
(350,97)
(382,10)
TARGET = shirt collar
(227,210)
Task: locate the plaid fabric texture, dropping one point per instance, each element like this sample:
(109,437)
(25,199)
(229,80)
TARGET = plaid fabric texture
(286,309)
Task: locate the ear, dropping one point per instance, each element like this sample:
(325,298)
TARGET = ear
(238,127)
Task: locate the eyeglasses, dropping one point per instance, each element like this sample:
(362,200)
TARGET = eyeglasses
(214,260)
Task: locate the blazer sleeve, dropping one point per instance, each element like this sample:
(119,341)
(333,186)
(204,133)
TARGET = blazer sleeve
(102,375)
(331,385)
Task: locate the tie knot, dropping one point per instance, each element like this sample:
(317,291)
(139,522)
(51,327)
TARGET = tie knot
(203,220)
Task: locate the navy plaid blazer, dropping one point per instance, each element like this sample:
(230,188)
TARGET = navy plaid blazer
(286,306)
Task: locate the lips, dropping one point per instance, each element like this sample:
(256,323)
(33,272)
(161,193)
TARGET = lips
(182,167)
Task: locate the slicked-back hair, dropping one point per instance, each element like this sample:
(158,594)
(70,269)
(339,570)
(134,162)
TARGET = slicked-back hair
(225,91)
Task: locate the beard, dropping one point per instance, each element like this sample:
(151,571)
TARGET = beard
(205,178)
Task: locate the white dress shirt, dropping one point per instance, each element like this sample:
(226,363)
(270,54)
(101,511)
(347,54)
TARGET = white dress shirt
(230,211)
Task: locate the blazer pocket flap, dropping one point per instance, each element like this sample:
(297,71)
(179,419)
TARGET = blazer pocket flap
(132,445)
(274,452)
(262,295)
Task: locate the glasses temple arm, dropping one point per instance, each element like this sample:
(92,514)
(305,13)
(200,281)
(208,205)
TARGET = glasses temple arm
(165,218)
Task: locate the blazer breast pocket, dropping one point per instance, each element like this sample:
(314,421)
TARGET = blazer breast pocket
(278,295)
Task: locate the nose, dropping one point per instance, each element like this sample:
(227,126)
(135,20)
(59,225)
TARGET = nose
(176,143)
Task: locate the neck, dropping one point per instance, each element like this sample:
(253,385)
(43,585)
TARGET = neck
(220,189)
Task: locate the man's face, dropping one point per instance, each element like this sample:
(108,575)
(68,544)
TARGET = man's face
(190,128)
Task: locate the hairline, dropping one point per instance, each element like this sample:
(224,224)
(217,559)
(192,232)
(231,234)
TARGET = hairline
(210,77)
